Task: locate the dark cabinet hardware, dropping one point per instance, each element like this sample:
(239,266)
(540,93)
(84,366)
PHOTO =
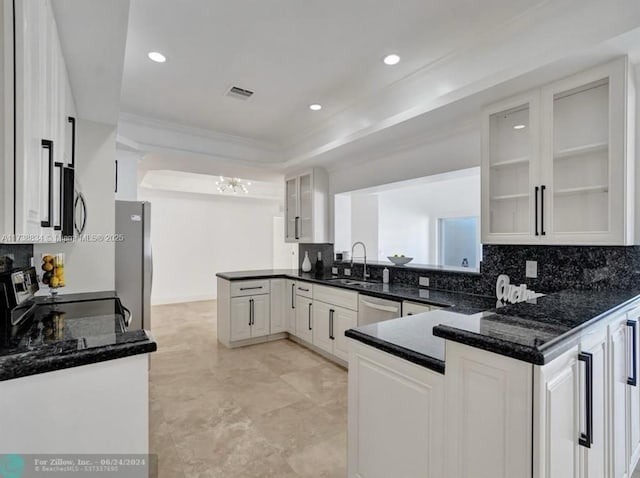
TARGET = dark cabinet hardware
(251,288)
(542,189)
(58,226)
(116,178)
(68,208)
(633,380)
(586,439)
(303,289)
(331,315)
(48,145)
(310,304)
(72,120)
(536,209)
(251,322)
(297,227)
(293,296)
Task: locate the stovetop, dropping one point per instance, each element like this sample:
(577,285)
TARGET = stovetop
(66,327)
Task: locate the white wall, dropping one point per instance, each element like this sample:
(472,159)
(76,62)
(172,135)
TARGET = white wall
(127,175)
(90,266)
(364,224)
(195,236)
(461,150)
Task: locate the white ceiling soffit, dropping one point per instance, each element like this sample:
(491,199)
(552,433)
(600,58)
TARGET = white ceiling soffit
(550,32)
(93,35)
(192,183)
(151,135)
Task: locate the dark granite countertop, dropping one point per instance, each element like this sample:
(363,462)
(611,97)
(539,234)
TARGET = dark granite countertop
(542,329)
(453,301)
(411,338)
(536,331)
(72,330)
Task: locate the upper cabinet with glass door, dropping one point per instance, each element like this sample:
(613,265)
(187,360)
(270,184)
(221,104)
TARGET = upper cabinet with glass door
(586,164)
(509,166)
(307,207)
(581,188)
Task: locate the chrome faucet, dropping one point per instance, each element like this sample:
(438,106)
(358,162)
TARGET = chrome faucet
(364,248)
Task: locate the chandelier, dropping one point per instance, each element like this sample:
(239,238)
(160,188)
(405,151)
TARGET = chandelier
(232,185)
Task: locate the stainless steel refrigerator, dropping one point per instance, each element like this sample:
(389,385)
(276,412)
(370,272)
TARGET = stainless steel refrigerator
(134,265)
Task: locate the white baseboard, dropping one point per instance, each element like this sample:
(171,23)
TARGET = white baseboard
(182,298)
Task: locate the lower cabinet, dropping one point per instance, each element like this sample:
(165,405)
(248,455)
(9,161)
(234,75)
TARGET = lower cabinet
(279,310)
(396,420)
(571,412)
(330,323)
(304,318)
(290,306)
(488,414)
(625,403)
(249,317)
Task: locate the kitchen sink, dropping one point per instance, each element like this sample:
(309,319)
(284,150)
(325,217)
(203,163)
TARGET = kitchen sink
(353,282)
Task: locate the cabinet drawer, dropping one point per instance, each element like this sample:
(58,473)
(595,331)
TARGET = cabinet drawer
(413,308)
(304,289)
(249,287)
(337,297)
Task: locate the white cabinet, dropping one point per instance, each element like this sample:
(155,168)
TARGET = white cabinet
(488,414)
(279,311)
(625,404)
(335,311)
(291,306)
(557,162)
(304,318)
(38,105)
(323,325)
(413,308)
(249,317)
(396,417)
(307,207)
(330,323)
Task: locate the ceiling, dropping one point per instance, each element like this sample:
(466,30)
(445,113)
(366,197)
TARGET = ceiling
(86,27)
(291,53)
(457,56)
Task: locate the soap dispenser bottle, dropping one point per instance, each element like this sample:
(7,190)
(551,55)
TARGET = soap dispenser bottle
(385,276)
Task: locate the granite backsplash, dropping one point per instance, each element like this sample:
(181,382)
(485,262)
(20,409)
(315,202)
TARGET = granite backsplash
(559,268)
(15,255)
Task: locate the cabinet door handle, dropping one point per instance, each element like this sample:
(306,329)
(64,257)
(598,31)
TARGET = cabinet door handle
(303,289)
(331,313)
(251,288)
(58,226)
(250,312)
(310,304)
(633,380)
(586,439)
(536,209)
(542,189)
(293,296)
(72,120)
(297,227)
(48,145)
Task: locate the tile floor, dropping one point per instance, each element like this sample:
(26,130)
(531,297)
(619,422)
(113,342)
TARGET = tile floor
(273,409)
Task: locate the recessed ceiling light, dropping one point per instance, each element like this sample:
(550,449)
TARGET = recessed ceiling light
(520,126)
(315,107)
(392,59)
(157,57)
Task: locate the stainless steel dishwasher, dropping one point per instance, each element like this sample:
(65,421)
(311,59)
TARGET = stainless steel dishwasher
(373,309)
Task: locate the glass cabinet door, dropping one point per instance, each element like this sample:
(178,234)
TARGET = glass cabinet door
(291,207)
(508,159)
(305,225)
(579,178)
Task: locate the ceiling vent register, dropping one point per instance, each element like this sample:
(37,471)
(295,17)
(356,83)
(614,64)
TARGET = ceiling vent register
(239,93)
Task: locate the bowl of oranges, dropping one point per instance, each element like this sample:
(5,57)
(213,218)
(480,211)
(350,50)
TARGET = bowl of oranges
(53,271)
